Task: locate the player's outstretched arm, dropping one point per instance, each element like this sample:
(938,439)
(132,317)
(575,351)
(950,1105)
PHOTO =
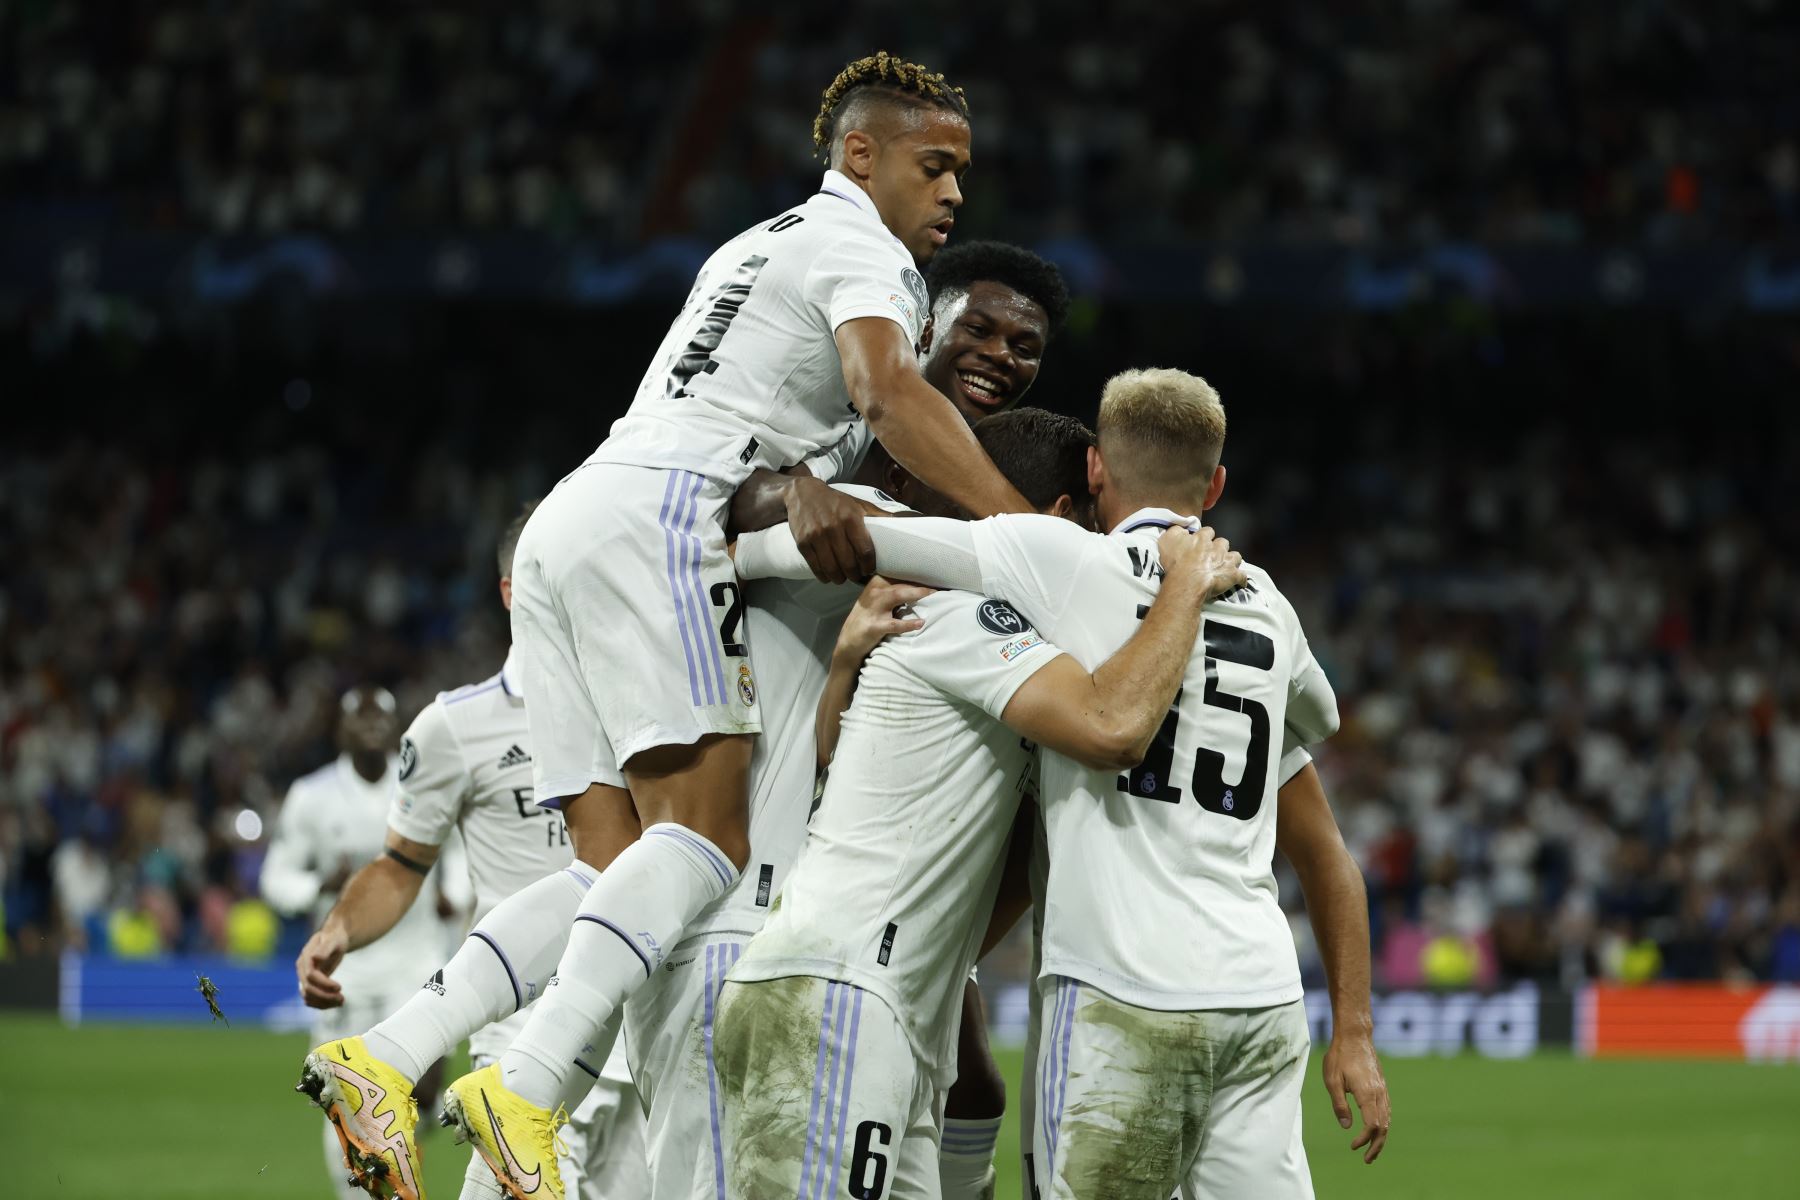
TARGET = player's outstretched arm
(920,428)
(880,613)
(827,525)
(1337,905)
(371,904)
(1107,719)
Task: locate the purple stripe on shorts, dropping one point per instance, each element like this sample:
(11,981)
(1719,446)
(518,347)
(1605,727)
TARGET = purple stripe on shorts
(837,1157)
(718,862)
(1045,1085)
(715,979)
(812,1116)
(518,994)
(1062,1070)
(1052,1079)
(698,611)
(840,1006)
(712,675)
(669,554)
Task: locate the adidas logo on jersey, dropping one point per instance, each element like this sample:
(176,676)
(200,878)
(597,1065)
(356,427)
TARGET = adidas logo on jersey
(514,757)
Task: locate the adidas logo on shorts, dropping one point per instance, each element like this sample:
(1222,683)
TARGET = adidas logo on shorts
(514,757)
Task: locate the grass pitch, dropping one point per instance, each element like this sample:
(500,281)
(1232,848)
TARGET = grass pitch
(114,1112)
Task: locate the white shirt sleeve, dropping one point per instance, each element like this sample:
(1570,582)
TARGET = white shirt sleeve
(935,551)
(1033,561)
(976,649)
(1312,712)
(869,495)
(434,780)
(290,882)
(862,276)
(1294,757)
(843,458)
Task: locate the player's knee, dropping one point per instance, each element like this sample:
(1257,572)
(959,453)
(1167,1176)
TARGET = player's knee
(979,1093)
(601,823)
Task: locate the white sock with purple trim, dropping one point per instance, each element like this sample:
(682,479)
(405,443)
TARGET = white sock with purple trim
(503,963)
(632,917)
(966,1158)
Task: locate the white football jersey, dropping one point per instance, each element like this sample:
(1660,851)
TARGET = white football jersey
(748,375)
(1161,890)
(893,889)
(466,763)
(333,817)
(795,624)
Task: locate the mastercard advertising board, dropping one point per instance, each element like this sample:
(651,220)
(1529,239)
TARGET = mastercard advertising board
(1699,1020)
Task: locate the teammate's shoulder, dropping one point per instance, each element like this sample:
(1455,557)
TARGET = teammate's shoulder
(469,691)
(1040,529)
(1259,590)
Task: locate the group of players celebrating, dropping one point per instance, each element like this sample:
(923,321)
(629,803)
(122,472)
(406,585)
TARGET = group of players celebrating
(789,809)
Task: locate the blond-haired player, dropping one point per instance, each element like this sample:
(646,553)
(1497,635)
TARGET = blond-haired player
(1176,1039)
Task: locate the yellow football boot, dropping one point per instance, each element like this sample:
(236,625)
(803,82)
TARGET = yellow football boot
(518,1140)
(371,1106)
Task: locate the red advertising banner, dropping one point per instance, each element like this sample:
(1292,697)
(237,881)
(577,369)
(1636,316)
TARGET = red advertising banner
(1700,1020)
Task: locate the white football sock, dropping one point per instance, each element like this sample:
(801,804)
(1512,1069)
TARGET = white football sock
(504,962)
(479,1182)
(966,1158)
(632,917)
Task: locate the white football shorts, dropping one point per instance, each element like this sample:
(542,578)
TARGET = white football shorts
(629,621)
(822,1095)
(1134,1103)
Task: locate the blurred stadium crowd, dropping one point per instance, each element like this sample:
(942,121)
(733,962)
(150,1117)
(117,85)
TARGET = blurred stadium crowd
(1565,651)
(1661,121)
(1572,737)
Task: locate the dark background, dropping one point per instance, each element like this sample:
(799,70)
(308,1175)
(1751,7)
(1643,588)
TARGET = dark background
(299,301)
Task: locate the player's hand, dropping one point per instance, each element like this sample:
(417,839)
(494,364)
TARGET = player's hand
(882,611)
(320,956)
(1220,567)
(828,525)
(1352,1067)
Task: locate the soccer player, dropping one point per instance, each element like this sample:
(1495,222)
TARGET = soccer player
(465,764)
(994,308)
(626,609)
(1187,1030)
(331,824)
(865,958)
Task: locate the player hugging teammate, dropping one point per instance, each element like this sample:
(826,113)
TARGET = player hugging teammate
(751,978)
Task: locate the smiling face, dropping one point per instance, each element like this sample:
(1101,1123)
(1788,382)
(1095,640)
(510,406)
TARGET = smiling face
(911,162)
(983,347)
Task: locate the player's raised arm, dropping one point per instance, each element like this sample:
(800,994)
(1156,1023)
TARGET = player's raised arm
(372,903)
(1307,833)
(827,524)
(1108,718)
(917,425)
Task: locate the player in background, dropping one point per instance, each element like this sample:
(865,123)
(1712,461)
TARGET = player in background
(626,609)
(878,925)
(465,765)
(331,824)
(1133,1004)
